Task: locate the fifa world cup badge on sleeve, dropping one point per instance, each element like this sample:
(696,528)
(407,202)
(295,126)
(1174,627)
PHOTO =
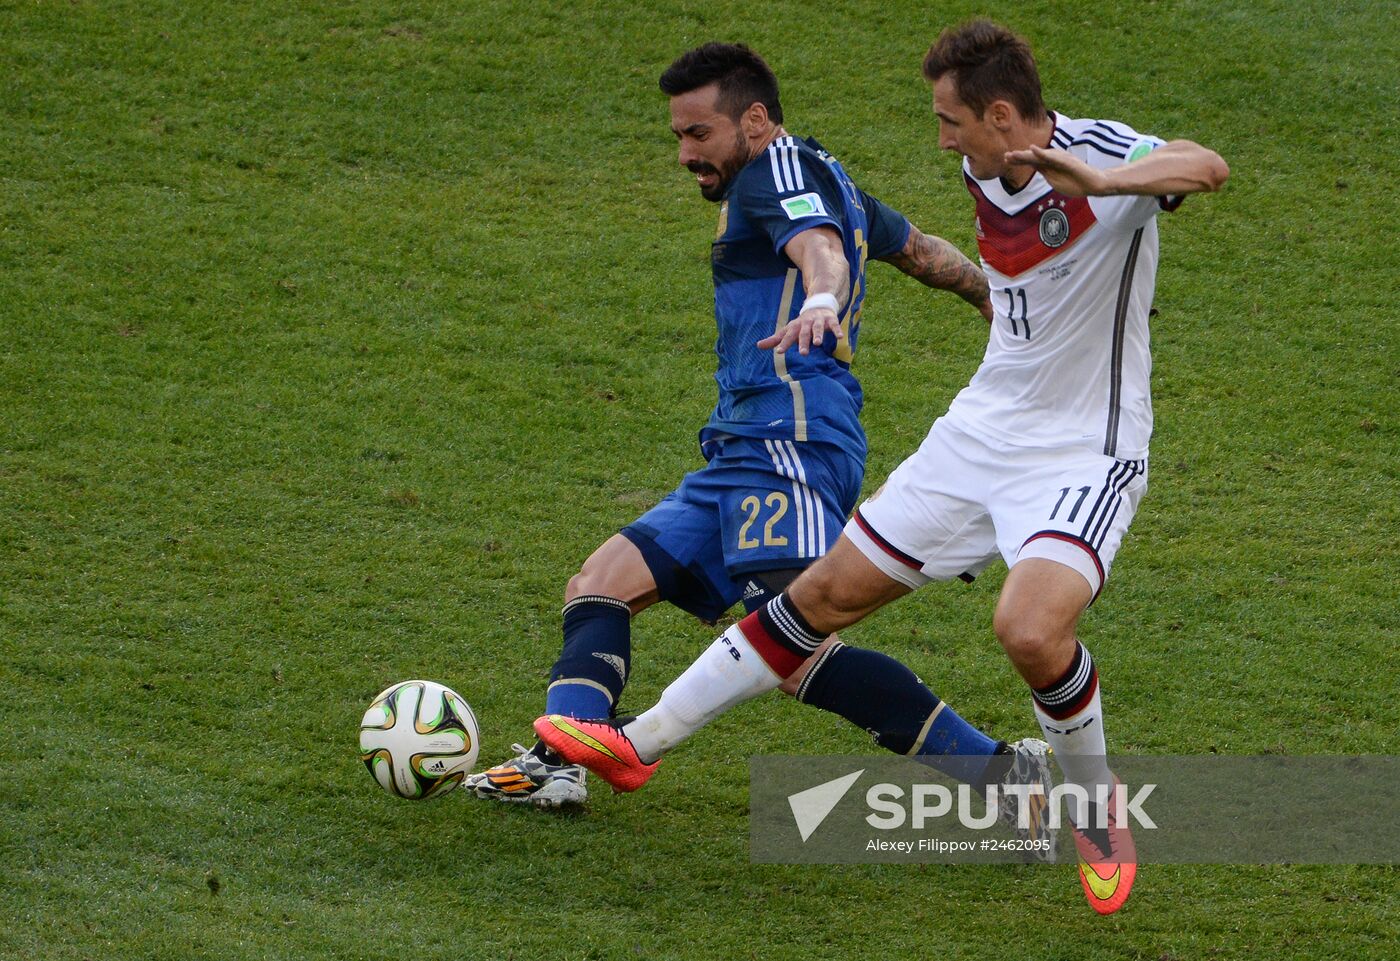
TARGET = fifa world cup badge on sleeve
(1141,149)
(805,205)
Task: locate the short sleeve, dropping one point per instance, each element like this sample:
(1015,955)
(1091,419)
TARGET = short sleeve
(1141,148)
(1127,146)
(889,229)
(791,192)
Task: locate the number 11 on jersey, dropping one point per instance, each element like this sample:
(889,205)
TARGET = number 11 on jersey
(1017,324)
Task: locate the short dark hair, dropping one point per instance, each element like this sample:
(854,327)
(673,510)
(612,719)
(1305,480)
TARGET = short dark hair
(988,63)
(743,77)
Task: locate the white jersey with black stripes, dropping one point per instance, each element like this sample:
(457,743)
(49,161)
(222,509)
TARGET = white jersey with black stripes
(1072,278)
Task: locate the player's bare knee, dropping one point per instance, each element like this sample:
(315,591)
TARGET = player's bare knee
(822,598)
(823,611)
(1040,650)
(579,585)
(598,576)
(617,570)
(842,588)
(845,604)
(1023,638)
(600,580)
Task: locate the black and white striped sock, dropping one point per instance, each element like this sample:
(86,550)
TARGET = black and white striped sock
(785,624)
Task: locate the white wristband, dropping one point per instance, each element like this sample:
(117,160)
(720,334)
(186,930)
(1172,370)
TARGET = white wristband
(828,301)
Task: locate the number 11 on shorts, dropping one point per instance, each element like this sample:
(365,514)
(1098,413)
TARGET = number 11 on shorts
(1074,512)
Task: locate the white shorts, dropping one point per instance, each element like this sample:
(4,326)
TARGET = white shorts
(959,501)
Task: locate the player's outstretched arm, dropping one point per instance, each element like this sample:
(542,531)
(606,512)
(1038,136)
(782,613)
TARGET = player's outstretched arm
(826,279)
(1175,168)
(935,262)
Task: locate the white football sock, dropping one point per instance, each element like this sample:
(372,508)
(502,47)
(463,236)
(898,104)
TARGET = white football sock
(728,673)
(1079,746)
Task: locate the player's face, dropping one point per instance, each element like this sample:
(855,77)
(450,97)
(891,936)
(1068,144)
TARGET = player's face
(712,146)
(960,129)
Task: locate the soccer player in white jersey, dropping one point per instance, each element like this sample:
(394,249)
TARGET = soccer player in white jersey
(1041,459)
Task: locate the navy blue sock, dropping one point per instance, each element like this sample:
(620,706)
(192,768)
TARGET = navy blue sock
(592,668)
(878,693)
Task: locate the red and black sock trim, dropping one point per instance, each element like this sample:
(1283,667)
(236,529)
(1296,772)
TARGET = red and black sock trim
(1073,691)
(781,635)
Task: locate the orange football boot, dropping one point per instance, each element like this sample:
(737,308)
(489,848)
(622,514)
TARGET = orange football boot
(1107,876)
(599,746)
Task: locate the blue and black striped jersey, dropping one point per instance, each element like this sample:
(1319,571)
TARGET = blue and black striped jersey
(794,185)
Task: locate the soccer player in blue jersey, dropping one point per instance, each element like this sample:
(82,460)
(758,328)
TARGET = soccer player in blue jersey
(784,447)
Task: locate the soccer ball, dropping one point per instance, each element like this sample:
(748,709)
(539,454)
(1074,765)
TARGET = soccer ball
(419,739)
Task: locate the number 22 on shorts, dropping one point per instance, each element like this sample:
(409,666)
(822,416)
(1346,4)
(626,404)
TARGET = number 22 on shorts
(777,504)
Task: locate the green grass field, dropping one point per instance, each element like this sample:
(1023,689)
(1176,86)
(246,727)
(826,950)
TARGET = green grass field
(335,336)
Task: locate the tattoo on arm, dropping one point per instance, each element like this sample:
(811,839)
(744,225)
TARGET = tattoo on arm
(935,262)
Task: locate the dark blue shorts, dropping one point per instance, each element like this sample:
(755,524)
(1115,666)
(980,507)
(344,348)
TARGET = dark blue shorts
(758,505)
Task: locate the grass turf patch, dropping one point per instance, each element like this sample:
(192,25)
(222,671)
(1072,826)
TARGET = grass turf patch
(336,336)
